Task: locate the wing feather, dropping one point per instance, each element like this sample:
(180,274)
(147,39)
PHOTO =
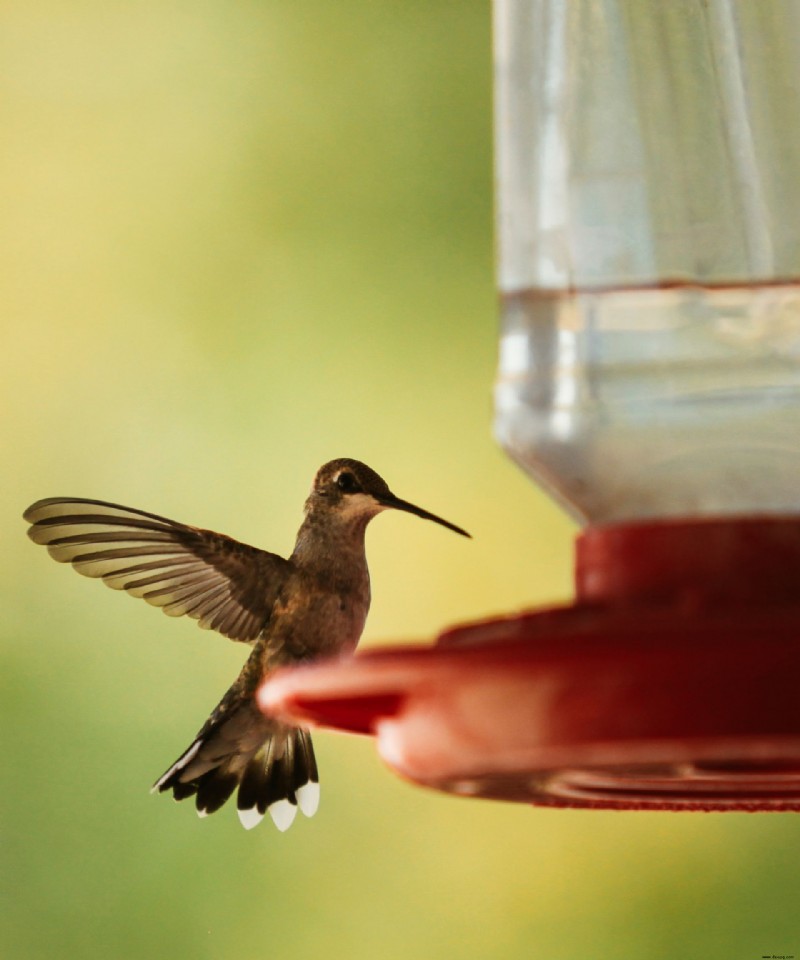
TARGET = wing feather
(223,584)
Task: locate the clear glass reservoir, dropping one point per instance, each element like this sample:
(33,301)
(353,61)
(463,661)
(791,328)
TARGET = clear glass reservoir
(648,165)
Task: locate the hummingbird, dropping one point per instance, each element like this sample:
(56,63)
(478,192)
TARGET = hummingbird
(310,606)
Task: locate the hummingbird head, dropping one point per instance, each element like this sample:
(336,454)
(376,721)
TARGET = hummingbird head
(350,490)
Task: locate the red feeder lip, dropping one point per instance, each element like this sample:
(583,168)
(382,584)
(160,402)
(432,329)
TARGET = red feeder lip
(671,683)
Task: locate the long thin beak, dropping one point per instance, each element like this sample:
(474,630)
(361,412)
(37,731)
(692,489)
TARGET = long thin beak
(397,504)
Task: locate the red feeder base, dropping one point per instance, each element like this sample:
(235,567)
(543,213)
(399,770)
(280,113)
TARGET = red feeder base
(671,684)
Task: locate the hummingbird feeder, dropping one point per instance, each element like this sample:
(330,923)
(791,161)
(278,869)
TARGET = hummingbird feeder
(648,168)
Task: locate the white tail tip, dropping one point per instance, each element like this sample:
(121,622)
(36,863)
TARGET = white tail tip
(283,814)
(308,798)
(250,818)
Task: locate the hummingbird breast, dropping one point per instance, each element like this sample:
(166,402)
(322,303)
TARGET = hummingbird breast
(315,617)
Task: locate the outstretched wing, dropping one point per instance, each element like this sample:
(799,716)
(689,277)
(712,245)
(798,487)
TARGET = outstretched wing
(226,585)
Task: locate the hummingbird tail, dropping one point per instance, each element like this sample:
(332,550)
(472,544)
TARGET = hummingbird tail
(276,777)
(279,784)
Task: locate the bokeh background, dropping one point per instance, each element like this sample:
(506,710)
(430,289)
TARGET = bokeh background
(238,239)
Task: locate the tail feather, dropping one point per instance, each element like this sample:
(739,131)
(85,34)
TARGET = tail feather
(307,786)
(214,788)
(275,776)
(272,782)
(276,796)
(180,791)
(254,779)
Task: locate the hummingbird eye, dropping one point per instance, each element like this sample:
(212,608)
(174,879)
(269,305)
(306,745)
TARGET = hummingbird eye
(346,482)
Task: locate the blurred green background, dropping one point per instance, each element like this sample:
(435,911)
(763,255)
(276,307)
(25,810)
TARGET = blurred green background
(239,239)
